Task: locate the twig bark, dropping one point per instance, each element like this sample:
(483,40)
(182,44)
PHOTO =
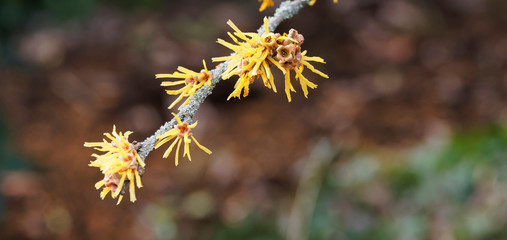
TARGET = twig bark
(286,10)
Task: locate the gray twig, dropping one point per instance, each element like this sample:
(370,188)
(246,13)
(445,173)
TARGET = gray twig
(286,10)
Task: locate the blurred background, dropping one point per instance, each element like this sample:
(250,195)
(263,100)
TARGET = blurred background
(406,140)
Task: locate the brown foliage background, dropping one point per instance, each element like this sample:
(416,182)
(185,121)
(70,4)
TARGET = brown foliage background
(399,71)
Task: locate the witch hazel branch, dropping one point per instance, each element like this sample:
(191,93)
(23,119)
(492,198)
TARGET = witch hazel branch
(254,55)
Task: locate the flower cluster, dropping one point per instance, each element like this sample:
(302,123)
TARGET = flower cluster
(265,4)
(192,81)
(182,132)
(120,164)
(268,3)
(255,56)
(313,2)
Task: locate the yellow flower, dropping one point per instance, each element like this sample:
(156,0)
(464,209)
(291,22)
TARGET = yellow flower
(119,163)
(191,79)
(303,81)
(252,58)
(256,54)
(269,3)
(265,4)
(313,2)
(290,57)
(181,132)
